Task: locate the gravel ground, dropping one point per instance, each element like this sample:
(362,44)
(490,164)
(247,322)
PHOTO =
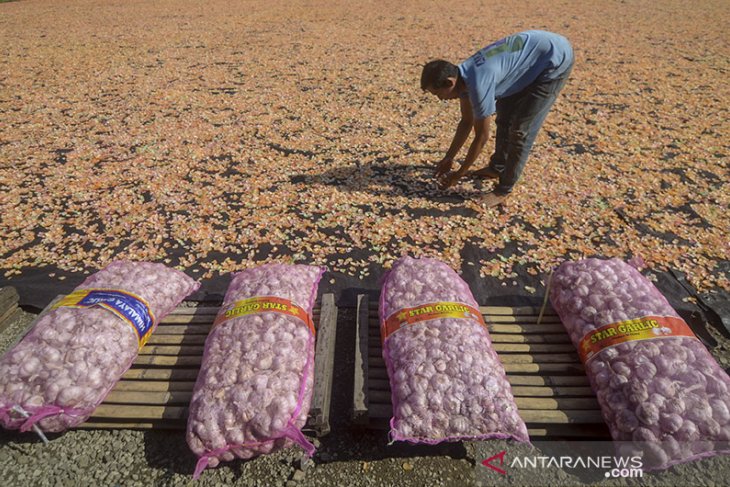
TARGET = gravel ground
(348,456)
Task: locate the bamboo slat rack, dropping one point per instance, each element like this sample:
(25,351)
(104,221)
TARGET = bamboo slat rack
(548,380)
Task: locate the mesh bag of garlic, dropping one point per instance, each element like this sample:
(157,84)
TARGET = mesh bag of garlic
(65,366)
(659,389)
(254,388)
(446,380)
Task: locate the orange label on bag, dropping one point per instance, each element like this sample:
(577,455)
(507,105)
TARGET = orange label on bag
(431,311)
(645,328)
(265,304)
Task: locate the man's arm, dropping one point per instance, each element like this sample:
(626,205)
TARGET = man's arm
(462,133)
(481,135)
(481,129)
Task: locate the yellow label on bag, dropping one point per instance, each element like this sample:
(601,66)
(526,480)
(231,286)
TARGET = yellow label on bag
(129,307)
(646,328)
(430,311)
(265,304)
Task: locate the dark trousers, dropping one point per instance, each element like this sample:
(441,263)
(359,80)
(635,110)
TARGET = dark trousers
(519,118)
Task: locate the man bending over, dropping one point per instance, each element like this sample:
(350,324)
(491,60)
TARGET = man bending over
(518,78)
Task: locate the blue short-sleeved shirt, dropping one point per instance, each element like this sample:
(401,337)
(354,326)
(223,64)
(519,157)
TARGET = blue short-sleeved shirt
(511,64)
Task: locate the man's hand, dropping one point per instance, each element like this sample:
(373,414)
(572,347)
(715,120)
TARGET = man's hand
(443,167)
(449,180)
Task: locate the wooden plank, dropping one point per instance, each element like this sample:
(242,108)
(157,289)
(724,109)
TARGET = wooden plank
(196,310)
(156,339)
(8,297)
(519,328)
(520,338)
(525,320)
(533,348)
(172,350)
(324,359)
(360,400)
(377,385)
(576,368)
(516,310)
(182,330)
(569,403)
(545,391)
(8,306)
(595,431)
(379,397)
(154,385)
(161,374)
(182,319)
(12,314)
(539,358)
(553,380)
(169,361)
(565,416)
(148,397)
(123,411)
(7,311)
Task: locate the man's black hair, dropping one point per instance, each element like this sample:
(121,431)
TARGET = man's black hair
(435,74)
